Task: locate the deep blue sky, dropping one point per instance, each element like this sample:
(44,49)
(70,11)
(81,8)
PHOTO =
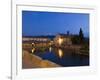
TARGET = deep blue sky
(48,23)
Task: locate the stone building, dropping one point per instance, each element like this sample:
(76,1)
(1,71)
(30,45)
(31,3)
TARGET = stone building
(62,40)
(38,41)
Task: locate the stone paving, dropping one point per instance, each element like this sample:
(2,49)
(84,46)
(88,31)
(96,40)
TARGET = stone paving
(32,61)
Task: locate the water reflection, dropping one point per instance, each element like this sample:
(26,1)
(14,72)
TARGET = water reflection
(61,56)
(60,53)
(50,49)
(33,49)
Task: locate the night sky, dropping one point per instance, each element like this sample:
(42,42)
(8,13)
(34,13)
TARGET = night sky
(50,23)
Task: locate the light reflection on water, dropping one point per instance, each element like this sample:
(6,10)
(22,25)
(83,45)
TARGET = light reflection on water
(60,53)
(50,49)
(61,57)
(33,49)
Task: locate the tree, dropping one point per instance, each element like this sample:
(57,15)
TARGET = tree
(75,39)
(81,36)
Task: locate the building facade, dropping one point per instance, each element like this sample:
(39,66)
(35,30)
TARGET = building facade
(62,40)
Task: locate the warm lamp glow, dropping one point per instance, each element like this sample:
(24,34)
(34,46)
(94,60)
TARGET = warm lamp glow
(60,52)
(50,49)
(60,41)
(33,50)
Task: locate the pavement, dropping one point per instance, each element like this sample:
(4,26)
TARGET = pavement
(32,61)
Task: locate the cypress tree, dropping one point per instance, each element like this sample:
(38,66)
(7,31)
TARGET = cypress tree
(81,36)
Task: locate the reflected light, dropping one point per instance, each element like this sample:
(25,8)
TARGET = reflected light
(33,50)
(60,53)
(50,49)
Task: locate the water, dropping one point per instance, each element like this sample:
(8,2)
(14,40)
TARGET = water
(63,57)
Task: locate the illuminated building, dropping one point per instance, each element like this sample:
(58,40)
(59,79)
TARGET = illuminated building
(62,39)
